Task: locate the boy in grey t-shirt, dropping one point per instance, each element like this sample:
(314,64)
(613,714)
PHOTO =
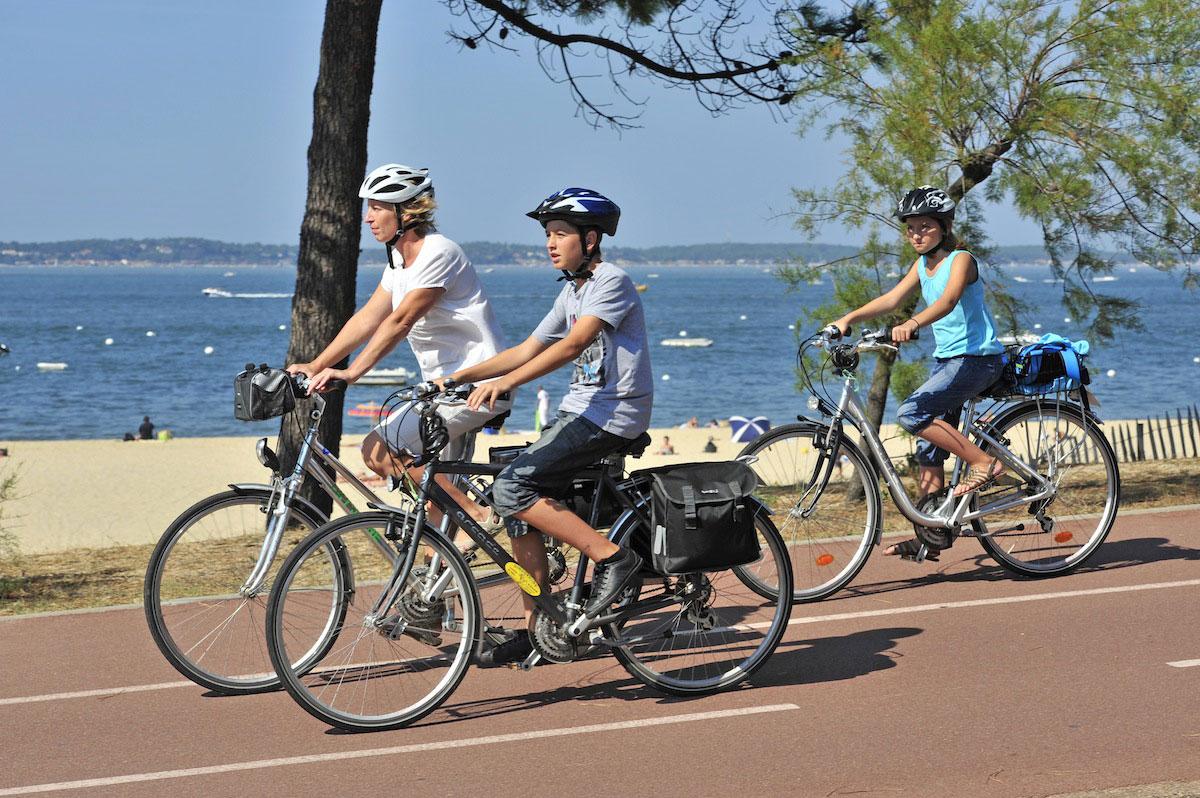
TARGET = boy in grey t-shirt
(597,322)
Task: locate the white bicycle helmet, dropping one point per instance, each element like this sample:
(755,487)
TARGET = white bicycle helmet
(395,183)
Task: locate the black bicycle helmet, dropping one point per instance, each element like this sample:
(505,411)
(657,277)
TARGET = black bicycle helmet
(926,201)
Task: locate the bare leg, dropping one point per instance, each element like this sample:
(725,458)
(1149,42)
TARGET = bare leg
(561,524)
(530,554)
(380,459)
(930,479)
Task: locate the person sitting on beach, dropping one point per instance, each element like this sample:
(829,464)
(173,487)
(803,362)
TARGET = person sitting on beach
(146,430)
(968,355)
(667,447)
(596,322)
(430,294)
(711,446)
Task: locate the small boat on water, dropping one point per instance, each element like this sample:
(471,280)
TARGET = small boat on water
(396,376)
(641,288)
(1020,338)
(367,409)
(687,342)
(221,292)
(52,366)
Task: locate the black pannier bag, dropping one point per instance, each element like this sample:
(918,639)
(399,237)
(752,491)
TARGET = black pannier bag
(703,517)
(262,393)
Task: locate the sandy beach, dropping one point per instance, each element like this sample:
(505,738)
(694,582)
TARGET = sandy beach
(97,493)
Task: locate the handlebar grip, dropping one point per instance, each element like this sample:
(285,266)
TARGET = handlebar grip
(336,385)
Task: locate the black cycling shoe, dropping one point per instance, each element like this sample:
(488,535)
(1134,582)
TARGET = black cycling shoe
(515,649)
(610,578)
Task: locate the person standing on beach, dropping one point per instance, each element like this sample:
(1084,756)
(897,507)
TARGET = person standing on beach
(541,416)
(968,354)
(598,324)
(430,294)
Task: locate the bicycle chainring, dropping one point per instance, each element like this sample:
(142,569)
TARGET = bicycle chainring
(551,640)
(415,610)
(933,537)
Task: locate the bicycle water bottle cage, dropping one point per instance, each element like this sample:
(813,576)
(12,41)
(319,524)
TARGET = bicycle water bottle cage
(844,357)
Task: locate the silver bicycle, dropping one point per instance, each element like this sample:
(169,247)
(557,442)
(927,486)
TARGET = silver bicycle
(1051,511)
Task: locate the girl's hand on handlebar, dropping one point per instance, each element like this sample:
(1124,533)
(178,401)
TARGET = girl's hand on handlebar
(905,331)
(487,394)
(320,381)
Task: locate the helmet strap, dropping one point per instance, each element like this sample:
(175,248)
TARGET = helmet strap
(584,272)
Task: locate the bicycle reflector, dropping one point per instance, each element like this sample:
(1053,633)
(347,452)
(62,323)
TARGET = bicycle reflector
(825,559)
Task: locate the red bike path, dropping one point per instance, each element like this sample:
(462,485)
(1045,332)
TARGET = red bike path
(946,679)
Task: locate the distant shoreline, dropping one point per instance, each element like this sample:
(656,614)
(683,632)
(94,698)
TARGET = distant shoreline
(197,252)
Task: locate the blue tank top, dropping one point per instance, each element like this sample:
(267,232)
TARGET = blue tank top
(968,329)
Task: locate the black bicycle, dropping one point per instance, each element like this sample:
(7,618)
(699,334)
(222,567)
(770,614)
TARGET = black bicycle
(366,642)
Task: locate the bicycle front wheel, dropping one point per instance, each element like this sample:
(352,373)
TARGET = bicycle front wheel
(207,627)
(387,666)
(828,548)
(1055,536)
(713,632)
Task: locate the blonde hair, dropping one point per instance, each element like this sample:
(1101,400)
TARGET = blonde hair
(417,213)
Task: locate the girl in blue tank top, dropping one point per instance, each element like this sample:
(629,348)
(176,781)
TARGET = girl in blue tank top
(968,355)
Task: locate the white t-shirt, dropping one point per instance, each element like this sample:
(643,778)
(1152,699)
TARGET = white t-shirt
(460,330)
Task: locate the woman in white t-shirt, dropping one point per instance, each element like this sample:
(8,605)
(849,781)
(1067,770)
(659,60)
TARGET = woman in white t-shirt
(429,294)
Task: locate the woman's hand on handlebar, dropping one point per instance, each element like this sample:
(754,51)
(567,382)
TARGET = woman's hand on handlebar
(320,381)
(307,369)
(487,394)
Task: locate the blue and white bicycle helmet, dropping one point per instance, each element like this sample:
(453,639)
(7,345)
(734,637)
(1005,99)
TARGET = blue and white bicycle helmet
(581,207)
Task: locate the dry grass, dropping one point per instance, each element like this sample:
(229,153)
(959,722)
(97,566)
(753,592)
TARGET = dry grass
(113,576)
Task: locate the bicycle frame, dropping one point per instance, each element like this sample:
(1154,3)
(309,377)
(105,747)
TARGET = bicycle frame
(954,510)
(574,620)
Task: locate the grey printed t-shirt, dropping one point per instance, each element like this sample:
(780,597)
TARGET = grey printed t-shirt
(612,385)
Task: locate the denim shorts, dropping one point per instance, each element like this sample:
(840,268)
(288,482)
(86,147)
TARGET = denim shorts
(953,382)
(549,464)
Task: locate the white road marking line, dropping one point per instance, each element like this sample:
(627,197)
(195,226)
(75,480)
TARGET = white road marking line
(1185,663)
(841,616)
(261,764)
(137,688)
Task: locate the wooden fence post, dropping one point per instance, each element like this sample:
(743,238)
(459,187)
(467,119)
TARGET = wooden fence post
(1141,443)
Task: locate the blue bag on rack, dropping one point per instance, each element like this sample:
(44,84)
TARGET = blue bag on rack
(1052,364)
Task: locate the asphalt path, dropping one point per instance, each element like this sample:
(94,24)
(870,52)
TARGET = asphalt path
(951,678)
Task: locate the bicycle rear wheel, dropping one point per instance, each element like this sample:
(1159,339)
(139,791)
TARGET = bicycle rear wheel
(715,632)
(829,547)
(385,670)
(1054,536)
(199,619)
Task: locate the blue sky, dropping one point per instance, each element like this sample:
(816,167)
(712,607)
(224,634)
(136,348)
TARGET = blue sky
(136,118)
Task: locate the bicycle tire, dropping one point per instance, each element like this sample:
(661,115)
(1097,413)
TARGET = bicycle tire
(203,627)
(829,548)
(372,662)
(710,659)
(1087,499)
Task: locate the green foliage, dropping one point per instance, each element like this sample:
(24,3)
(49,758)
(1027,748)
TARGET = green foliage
(1082,114)
(906,378)
(10,551)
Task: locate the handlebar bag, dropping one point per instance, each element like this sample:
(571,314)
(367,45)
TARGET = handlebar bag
(703,517)
(259,395)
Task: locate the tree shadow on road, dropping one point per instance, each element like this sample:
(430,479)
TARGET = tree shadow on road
(979,567)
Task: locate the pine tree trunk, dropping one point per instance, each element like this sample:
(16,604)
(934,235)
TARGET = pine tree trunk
(330,233)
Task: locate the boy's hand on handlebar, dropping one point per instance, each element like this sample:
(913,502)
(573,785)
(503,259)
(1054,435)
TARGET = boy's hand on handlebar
(487,394)
(905,331)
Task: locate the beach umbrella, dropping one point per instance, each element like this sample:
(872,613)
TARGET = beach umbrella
(745,429)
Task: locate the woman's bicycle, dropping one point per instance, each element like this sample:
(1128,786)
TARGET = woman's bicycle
(208,578)
(1047,515)
(366,641)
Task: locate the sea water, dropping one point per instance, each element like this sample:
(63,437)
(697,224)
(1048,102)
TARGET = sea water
(182,375)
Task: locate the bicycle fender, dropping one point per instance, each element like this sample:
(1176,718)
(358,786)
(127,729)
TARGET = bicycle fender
(244,488)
